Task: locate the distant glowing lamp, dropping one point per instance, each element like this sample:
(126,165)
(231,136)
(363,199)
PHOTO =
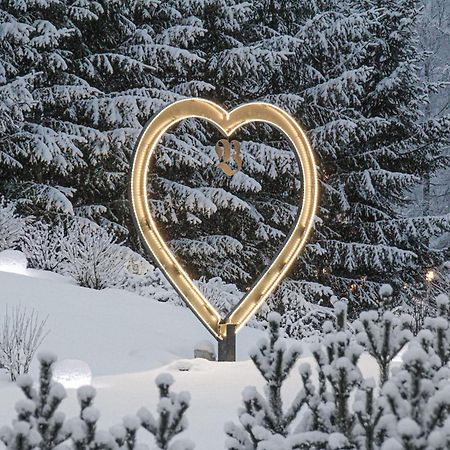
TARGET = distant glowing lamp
(223,329)
(430,275)
(72,373)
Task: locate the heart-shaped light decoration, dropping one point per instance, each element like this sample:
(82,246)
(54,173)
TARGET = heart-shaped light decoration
(227,123)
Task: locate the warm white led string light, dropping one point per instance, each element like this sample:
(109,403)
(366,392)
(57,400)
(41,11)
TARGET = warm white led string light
(227,123)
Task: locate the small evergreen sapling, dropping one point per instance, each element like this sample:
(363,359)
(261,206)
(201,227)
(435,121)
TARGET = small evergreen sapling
(417,397)
(171,419)
(38,423)
(329,413)
(440,329)
(125,434)
(382,333)
(264,416)
(82,430)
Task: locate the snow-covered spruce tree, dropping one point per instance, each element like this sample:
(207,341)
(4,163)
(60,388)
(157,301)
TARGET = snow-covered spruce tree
(390,150)
(171,419)
(329,416)
(360,101)
(433,27)
(37,155)
(265,416)
(81,79)
(382,333)
(138,57)
(39,424)
(232,226)
(417,397)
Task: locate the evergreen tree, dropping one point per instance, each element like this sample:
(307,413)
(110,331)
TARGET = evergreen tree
(78,80)
(264,416)
(39,424)
(171,419)
(361,104)
(36,153)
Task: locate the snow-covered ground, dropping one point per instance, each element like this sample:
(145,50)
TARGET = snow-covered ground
(127,341)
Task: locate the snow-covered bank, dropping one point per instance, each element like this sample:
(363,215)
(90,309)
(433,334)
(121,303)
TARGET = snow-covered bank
(127,340)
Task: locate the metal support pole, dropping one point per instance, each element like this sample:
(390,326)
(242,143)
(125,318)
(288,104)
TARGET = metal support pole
(227,345)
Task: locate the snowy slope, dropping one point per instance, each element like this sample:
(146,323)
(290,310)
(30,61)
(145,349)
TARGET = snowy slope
(127,341)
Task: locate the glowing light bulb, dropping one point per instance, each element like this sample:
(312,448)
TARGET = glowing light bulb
(430,275)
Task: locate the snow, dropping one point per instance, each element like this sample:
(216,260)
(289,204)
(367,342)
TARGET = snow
(128,341)
(386,290)
(13,261)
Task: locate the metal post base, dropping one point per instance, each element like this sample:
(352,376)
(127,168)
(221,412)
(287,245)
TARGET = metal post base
(227,345)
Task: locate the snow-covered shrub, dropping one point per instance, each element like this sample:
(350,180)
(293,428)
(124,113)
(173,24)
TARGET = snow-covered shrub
(90,254)
(41,243)
(406,407)
(21,334)
(264,416)
(11,226)
(171,419)
(38,424)
(300,318)
(92,257)
(383,334)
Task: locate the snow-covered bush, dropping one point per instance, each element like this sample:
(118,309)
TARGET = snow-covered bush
(39,424)
(41,243)
(11,226)
(264,416)
(92,257)
(21,334)
(171,419)
(337,408)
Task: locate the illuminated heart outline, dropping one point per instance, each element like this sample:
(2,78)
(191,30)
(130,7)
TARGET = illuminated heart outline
(227,123)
